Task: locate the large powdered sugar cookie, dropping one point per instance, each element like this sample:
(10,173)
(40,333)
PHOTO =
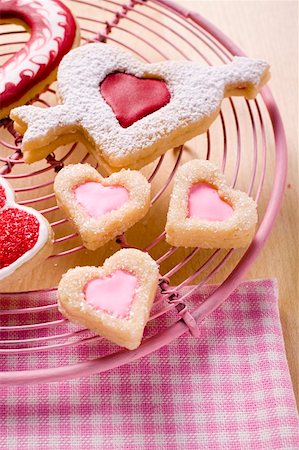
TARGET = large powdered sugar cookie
(113,300)
(101,208)
(25,237)
(53,32)
(128,113)
(205,212)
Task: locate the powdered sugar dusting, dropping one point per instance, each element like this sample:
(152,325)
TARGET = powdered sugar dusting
(196,94)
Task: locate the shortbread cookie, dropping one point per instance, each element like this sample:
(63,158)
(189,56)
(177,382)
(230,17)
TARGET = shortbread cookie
(113,300)
(128,113)
(101,208)
(205,212)
(53,31)
(25,237)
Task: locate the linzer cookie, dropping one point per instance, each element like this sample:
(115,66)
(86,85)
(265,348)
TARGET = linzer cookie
(114,300)
(101,208)
(25,237)
(53,32)
(205,212)
(128,113)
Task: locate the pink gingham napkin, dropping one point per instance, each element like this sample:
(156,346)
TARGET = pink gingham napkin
(228,390)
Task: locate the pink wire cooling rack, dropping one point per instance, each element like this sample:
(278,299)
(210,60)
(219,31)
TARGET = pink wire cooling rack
(247,141)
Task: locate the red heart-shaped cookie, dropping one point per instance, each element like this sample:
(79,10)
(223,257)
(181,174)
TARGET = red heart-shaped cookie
(19,233)
(24,235)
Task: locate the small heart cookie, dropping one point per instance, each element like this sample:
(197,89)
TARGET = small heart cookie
(205,212)
(113,300)
(101,208)
(128,113)
(25,237)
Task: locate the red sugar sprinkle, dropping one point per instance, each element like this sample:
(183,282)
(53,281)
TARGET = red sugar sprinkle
(18,234)
(2,197)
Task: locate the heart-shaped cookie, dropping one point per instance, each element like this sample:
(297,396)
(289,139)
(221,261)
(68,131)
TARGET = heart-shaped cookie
(205,212)
(129,113)
(101,208)
(25,237)
(53,32)
(113,300)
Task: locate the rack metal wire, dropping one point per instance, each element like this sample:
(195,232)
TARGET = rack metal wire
(247,141)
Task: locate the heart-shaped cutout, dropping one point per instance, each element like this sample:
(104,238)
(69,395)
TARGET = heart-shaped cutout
(53,33)
(132,98)
(204,202)
(101,208)
(98,200)
(113,300)
(205,212)
(25,236)
(128,113)
(113,294)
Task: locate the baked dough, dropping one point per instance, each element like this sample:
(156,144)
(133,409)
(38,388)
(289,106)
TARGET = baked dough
(99,85)
(101,208)
(114,300)
(219,217)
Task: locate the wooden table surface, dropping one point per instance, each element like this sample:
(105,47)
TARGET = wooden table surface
(266,30)
(269,30)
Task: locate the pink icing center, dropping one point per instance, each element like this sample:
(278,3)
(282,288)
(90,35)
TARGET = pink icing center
(205,203)
(113,294)
(98,200)
(132,98)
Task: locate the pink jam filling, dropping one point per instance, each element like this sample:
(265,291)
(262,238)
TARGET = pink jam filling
(132,98)
(113,294)
(205,203)
(98,200)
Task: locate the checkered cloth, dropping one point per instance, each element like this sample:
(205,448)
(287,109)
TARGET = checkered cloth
(228,390)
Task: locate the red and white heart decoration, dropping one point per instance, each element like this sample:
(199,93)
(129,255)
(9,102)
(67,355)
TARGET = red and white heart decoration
(24,234)
(53,32)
